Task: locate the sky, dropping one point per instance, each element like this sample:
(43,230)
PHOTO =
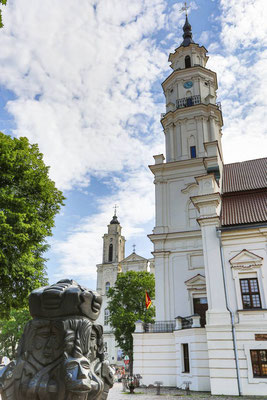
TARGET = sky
(83,80)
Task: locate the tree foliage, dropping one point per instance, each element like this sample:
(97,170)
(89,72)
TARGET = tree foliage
(29,202)
(4,2)
(127,305)
(11,332)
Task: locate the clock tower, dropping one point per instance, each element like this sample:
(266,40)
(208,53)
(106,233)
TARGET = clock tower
(192,127)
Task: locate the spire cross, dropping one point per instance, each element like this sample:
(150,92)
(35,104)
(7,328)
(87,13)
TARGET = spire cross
(185,8)
(134,246)
(115,209)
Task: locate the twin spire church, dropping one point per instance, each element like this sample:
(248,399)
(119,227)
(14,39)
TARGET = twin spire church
(209,247)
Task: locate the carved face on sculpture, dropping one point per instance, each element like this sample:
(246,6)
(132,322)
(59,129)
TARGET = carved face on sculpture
(77,374)
(47,343)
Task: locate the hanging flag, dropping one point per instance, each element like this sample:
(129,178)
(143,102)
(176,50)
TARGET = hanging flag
(148,301)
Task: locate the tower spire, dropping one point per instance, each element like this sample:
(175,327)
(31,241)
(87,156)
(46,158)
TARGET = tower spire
(188,36)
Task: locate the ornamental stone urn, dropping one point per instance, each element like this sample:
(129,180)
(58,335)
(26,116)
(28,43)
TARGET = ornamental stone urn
(61,352)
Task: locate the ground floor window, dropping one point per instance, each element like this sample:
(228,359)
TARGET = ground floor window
(259,363)
(186,366)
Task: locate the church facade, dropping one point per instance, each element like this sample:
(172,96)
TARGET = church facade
(209,247)
(113,263)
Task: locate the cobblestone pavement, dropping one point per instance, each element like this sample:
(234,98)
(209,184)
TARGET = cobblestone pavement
(170,394)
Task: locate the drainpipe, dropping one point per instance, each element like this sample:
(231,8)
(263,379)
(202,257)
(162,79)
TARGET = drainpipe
(219,234)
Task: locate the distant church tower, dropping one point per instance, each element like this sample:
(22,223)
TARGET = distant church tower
(113,253)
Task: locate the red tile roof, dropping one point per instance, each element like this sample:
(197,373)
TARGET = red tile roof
(244,198)
(247,175)
(247,208)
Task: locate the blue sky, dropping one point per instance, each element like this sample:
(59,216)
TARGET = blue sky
(83,80)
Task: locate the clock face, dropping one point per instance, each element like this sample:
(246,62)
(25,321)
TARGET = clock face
(188,85)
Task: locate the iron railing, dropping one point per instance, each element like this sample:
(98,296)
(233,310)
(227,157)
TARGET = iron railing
(159,326)
(188,101)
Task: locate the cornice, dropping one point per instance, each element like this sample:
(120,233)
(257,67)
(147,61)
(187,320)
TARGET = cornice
(204,200)
(175,235)
(174,165)
(172,117)
(187,72)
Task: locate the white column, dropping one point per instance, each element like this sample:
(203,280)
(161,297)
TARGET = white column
(212,129)
(171,129)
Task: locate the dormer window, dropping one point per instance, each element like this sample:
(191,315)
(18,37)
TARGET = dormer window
(187,62)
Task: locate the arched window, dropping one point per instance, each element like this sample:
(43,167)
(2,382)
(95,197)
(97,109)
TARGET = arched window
(110,252)
(187,62)
(106,316)
(107,286)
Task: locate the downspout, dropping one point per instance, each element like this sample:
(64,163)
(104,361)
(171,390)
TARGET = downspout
(219,234)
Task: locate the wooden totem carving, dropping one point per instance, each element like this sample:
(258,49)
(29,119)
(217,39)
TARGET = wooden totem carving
(61,352)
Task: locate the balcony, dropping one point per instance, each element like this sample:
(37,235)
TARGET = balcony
(193,321)
(188,101)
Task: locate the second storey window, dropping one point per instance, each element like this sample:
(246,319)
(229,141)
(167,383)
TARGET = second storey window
(259,363)
(250,293)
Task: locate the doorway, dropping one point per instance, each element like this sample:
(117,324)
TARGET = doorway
(200,308)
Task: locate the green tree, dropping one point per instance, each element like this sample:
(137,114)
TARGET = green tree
(4,3)
(29,202)
(127,305)
(11,332)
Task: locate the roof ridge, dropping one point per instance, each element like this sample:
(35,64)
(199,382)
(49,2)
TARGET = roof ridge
(241,162)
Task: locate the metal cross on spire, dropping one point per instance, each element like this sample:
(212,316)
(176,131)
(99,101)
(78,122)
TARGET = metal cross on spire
(134,246)
(185,8)
(115,209)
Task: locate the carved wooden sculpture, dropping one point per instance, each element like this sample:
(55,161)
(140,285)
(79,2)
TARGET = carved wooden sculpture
(61,352)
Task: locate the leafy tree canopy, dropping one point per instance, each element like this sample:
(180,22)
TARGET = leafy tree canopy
(11,332)
(29,202)
(2,2)
(127,305)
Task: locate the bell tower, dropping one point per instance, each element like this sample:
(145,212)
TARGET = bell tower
(193,118)
(192,126)
(114,242)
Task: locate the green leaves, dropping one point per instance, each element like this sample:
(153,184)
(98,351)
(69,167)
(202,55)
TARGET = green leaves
(11,332)
(127,305)
(29,202)
(4,2)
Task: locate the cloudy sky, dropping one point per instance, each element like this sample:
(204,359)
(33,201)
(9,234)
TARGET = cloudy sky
(83,80)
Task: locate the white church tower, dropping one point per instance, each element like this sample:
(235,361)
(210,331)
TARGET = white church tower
(192,127)
(209,247)
(113,254)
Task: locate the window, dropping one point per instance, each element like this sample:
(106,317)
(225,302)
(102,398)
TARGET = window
(107,286)
(187,62)
(186,366)
(200,307)
(250,293)
(110,252)
(259,363)
(119,355)
(193,151)
(106,316)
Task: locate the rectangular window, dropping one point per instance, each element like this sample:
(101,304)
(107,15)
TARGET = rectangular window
(186,358)
(193,151)
(250,293)
(259,363)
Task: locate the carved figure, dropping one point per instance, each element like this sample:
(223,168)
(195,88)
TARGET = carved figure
(61,352)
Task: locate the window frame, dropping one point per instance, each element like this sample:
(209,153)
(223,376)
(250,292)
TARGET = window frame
(193,151)
(106,316)
(250,293)
(259,362)
(185,358)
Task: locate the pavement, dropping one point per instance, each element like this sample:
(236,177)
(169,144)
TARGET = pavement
(171,394)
